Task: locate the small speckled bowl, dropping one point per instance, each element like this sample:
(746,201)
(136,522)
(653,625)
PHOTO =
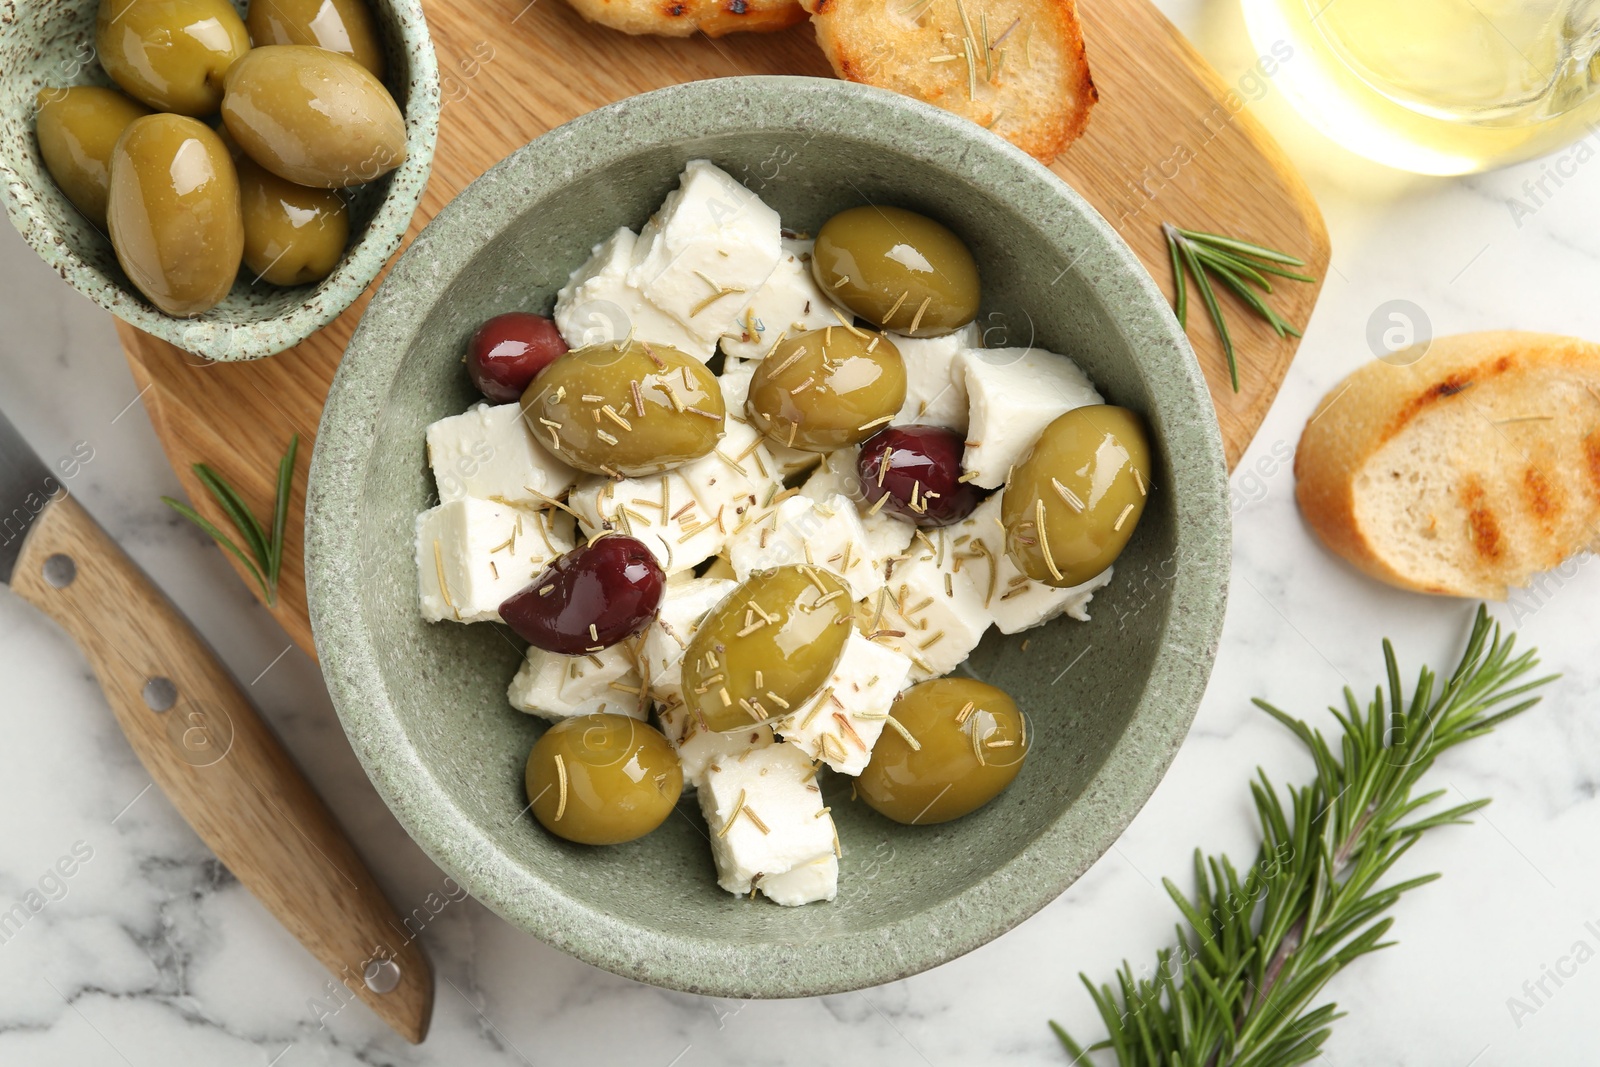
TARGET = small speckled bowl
(52,44)
(425,706)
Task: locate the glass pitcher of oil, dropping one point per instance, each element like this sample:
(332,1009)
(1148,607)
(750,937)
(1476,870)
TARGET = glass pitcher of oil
(1440,86)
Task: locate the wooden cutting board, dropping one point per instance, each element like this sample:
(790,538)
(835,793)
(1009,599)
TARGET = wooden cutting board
(1168,141)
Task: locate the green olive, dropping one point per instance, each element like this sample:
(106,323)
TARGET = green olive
(970,743)
(827,389)
(292,235)
(767,649)
(77,129)
(313,116)
(897,269)
(173,212)
(343,26)
(1086,478)
(602,779)
(170,54)
(628,410)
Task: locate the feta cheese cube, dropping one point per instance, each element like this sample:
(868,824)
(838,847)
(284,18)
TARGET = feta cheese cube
(842,723)
(789,303)
(682,608)
(823,533)
(557,531)
(599,306)
(1013,394)
(887,534)
(925,614)
(734,381)
(936,392)
(1013,600)
(806,884)
(706,251)
(1023,603)
(791,461)
(766,541)
(764,809)
(488,452)
(887,537)
(558,687)
(699,749)
(659,509)
(836,474)
(843,544)
(472,554)
(736,477)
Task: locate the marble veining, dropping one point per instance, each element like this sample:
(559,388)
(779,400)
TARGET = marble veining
(150,953)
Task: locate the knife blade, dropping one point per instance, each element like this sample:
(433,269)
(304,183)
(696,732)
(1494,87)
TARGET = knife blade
(205,746)
(26,486)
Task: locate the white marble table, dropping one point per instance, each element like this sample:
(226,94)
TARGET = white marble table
(152,954)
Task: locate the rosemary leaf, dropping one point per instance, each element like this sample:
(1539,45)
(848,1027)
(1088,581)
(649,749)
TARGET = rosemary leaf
(263,544)
(238,513)
(280,512)
(1280,272)
(1233,244)
(1180,300)
(1239,264)
(1243,292)
(1256,949)
(220,538)
(1210,300)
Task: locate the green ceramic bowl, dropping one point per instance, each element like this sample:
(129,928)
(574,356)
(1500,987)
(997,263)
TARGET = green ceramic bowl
(425,707)
(49,44)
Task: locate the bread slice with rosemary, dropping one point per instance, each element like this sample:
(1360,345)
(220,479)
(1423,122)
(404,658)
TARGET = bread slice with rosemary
(1464,473)
(684,18)
(1017,67)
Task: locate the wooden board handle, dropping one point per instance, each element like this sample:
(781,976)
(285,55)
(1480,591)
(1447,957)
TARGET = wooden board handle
(221,766)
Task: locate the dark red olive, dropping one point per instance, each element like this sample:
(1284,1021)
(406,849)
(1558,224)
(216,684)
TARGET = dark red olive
(509,351)
(922,478)
(590,598)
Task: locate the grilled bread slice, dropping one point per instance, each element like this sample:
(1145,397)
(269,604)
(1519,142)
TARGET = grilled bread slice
(684,18)
(1465,473)
(1017,67)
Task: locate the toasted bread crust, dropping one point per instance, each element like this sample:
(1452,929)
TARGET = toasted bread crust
(1035,89)
(1528,490)
(684,18)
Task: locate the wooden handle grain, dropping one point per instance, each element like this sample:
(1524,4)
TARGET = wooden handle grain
(221,766)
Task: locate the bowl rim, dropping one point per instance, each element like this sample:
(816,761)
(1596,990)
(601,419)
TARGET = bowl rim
(1035,875)
(363,261)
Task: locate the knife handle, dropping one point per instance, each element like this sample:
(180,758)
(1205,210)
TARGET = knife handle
(221,766)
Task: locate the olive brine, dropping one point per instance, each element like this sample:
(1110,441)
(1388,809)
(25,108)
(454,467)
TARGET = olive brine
(227,142)
(751,498)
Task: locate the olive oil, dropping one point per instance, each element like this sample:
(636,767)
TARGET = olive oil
(1440,86)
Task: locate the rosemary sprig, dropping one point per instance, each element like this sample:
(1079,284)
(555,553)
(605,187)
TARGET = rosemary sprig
(262,554)
(1255,949)
(1239,264)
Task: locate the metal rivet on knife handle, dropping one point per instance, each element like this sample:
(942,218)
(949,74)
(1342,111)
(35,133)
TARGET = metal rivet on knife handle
(60,571)
(382,976)
(160,694)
